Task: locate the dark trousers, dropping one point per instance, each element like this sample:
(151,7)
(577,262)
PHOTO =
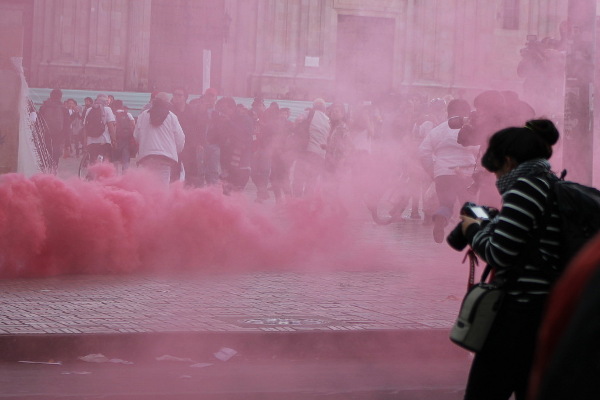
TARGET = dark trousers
(308,170)
(503,365)
(55,146)
(449,190)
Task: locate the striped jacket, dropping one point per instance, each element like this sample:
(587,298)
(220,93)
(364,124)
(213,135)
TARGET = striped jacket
(521,243)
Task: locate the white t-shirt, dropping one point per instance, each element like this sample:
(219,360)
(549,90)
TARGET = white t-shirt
(318,133)
(441,154)
(164,140)
(108,116)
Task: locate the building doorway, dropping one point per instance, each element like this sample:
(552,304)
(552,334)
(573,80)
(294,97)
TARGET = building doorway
(181,33)
(364,57)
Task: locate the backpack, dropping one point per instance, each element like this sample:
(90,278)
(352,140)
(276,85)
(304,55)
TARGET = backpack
(54,116)
(579,211)
(94,122)
(123,127)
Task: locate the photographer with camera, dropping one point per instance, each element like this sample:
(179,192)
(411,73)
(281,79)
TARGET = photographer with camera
(521,244)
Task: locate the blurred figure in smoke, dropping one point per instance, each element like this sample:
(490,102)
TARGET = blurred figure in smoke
(339,145)
(111,101)
(236,150)
(188,119)
(518,112)
(422,184)
(258,108)
(75,127)
(230,132)
(450,165)
(268,128)
(436,113)
(87,103)
(125,147)
(490,116)
(361,134)
(542,69)
(160,138)
(149,104)
(56,119)
(494,110)
(100,147)
(283,157)
(209,155)
(339,157)
(311,159)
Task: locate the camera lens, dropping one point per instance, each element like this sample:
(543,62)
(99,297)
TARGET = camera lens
(456,239)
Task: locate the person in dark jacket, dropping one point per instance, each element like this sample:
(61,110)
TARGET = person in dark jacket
(188,119)
(522,246)
(57,122)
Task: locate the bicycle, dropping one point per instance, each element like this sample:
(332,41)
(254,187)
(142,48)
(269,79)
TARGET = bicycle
(85,163)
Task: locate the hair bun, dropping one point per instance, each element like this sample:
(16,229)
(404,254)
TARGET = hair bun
(545,129)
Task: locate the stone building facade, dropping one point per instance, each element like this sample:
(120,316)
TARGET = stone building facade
(296,49)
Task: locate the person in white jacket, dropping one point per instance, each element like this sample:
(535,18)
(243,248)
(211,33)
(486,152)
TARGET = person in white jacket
(450,164)
(160,138)
(310,163)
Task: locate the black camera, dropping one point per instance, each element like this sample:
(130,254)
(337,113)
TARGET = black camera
(455,238)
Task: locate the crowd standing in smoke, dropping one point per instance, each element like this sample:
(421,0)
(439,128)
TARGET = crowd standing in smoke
(433,144)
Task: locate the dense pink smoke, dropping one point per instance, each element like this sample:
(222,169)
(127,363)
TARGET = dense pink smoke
(125,223)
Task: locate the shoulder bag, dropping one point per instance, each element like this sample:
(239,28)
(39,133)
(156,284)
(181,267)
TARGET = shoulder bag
(477,311)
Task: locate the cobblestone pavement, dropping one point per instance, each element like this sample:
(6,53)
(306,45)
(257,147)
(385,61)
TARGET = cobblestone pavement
(419,292)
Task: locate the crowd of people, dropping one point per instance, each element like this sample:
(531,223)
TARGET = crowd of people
(211,140)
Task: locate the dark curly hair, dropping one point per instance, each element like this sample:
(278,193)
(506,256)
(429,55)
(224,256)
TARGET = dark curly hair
(535,140)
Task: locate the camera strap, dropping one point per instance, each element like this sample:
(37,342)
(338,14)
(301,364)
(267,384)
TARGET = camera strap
(474,262)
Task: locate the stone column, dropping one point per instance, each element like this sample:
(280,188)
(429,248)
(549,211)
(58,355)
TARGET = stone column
(10,81)
(138,45)
(11,45)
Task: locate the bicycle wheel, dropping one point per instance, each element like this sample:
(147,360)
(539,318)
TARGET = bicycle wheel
(389,207)
(83,165)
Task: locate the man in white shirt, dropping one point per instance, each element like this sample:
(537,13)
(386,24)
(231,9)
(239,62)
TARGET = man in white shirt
(450,164)
(160,138)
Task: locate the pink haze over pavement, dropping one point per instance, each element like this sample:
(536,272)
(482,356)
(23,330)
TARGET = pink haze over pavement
(50,226)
